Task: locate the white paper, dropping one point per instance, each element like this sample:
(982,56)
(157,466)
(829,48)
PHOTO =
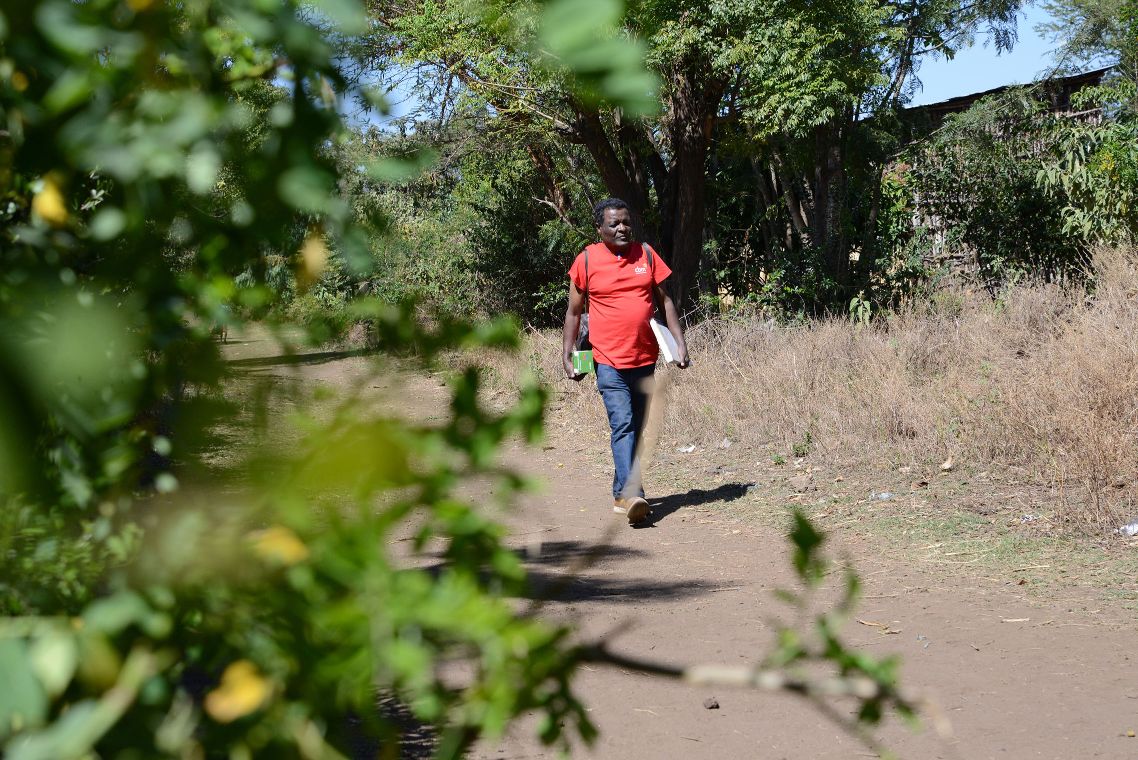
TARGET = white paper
(667,343)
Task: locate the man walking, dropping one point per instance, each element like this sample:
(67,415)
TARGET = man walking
(620,280)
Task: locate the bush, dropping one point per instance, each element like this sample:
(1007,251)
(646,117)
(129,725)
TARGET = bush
(150,194)
(975,183)
(252,618)
(1092,173)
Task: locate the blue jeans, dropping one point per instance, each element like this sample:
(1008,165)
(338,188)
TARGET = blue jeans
(625,393)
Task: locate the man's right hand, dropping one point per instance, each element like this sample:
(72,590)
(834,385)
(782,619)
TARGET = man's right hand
(570,372)
(569,332)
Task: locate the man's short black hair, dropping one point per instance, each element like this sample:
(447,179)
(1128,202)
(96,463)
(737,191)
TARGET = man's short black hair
(607,203)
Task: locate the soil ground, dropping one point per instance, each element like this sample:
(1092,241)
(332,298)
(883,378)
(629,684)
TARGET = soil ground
(1018,662)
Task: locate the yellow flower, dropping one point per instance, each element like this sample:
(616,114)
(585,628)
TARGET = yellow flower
(19,81)
(279,544)
(243,689)
(313,258)
(48,203)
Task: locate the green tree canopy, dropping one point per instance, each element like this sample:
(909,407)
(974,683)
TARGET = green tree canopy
(797,80)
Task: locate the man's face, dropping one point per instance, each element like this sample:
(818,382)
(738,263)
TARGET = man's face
(616,229)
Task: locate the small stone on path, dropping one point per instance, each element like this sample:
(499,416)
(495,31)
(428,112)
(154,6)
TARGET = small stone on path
(711,703)
(802,483)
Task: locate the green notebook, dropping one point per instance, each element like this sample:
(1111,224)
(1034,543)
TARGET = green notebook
(582,362)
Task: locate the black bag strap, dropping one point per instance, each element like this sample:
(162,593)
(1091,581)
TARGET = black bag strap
(586,274)
(652,265)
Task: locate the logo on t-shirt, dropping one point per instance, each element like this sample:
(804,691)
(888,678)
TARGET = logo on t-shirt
(641,270)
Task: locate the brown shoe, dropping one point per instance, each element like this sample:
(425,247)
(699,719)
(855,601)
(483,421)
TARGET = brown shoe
(635,507)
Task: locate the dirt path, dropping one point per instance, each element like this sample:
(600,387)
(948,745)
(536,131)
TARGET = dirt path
(1015,677)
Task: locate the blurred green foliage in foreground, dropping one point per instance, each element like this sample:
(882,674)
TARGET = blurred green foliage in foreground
(160,164)
(158,159)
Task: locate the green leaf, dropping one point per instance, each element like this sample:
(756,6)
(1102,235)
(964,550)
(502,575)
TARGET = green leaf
(57,20)
(54,656)
(573,25)
(807,541)
(72,736)
(23,698)
(306,188)
(400,168)
(68,91)
(107,223)
(348,15)
(114,613)
(583,37)
(202,167)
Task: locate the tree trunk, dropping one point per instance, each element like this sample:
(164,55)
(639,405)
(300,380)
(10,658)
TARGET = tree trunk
(617,180)
(794,205)
(558,199)
(829,202)
(693,105)
(767,197)
(870,247)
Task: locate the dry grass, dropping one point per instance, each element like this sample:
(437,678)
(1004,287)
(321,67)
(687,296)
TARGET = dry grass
(1043,382)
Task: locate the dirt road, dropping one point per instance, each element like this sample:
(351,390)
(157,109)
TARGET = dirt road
(1015,677)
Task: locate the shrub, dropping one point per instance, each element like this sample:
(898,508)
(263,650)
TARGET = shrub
(975,182)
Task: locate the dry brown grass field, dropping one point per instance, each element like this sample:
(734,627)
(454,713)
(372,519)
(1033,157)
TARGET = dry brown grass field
(1037,388)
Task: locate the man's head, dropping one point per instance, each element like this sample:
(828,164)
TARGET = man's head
(614,223)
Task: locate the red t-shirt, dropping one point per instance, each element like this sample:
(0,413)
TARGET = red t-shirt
(620,302)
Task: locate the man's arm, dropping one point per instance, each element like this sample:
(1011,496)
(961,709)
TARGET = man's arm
(569,332)
(673,320)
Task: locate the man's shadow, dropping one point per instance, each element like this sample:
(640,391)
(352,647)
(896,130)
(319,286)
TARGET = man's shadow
(666,505)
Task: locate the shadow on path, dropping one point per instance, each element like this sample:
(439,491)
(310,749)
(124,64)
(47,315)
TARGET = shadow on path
(666,505)
(576,571)
(615,588)
(415,739)
(288,360)
(562,553)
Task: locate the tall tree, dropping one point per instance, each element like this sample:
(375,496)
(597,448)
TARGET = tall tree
(798,78)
